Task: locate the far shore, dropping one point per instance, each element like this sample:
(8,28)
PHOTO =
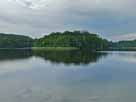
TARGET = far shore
(55,48)
(42,48)
(66,49)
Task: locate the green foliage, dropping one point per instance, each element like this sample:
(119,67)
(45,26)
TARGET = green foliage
(55,48)
(124,44)
(57,40)
(14,41)
(82,40)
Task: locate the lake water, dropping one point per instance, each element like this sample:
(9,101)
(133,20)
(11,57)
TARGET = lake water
(70,76)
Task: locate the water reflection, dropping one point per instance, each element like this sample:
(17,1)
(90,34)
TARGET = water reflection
(67,57)
(32,76)
(15,54)
(126,56)
(70,57)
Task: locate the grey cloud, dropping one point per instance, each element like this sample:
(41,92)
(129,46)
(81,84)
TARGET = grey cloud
(38,17)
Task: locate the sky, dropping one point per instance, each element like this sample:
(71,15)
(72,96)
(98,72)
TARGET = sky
(111,19)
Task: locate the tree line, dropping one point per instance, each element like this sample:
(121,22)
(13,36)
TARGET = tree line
(76,39)
(15,41)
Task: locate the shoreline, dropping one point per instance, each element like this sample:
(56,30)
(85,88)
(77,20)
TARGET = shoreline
(43,48)
(65,49)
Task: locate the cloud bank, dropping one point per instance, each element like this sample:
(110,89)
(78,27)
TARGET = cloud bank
(38,17)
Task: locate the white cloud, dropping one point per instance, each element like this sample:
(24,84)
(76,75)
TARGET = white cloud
(131,36)
(34,4)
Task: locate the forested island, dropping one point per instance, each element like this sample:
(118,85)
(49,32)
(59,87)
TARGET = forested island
(64,41)
(76,39)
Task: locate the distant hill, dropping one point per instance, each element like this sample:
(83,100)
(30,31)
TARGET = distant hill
(122,44)
(14,41)
(61,41)
(77,39)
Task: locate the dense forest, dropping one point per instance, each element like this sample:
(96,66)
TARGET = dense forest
(77,39)
(124,44)
(15,41)
(65,40)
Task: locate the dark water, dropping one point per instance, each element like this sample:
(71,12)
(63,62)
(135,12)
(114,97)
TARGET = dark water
(70,76)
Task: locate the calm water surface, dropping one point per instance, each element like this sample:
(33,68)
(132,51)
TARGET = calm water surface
(70,76)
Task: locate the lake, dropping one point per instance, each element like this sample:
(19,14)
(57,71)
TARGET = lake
(67,76)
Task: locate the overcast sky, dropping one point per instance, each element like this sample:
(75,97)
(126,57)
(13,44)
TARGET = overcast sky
(113,19)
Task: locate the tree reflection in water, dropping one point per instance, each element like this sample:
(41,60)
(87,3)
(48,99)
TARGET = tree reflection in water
(67,57)
(70,57)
